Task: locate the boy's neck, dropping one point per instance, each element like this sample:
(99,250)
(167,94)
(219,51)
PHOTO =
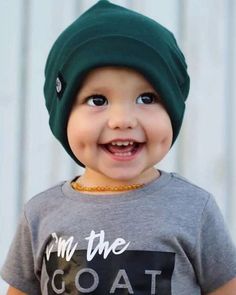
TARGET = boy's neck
(91,178)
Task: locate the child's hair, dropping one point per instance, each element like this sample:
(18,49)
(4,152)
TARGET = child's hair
(110,35)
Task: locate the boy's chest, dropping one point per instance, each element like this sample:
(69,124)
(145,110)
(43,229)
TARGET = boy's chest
(130,272)
(131,255)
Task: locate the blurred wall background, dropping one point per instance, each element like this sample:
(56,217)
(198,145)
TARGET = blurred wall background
(31,160)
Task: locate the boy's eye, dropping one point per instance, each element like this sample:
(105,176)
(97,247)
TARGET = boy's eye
(147,98)
(96,100)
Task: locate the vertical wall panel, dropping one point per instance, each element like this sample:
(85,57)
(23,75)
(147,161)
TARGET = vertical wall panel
(204,146)
(230,130)
(9,119)
(52,164)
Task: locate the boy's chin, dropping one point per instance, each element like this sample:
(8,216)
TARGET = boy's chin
(127,176)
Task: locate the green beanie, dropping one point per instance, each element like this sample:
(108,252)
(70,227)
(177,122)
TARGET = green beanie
(111,35)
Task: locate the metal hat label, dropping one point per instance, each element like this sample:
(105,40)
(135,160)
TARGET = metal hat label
(60,85)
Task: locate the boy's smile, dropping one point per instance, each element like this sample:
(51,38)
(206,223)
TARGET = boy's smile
(123,149)
(118,127)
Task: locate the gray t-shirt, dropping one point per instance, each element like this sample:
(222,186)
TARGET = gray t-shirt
(166,238)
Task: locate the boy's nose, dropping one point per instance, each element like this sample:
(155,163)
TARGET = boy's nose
(122,118)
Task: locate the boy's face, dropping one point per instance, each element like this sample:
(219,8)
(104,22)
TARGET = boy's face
(118,127)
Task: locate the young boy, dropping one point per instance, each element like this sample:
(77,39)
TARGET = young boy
(116,85)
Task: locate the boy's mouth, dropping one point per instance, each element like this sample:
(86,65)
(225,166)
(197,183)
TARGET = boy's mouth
(123,148)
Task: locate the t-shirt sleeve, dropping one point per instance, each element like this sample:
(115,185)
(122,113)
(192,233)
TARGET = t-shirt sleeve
(18,270)
(215,259)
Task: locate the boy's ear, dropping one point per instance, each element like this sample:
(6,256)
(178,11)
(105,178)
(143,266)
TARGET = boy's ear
(60,85)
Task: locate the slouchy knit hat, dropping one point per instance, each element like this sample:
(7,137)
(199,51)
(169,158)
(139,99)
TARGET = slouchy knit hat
(111,35)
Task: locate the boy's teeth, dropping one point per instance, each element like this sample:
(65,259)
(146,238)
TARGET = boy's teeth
(122,148)
(120,143)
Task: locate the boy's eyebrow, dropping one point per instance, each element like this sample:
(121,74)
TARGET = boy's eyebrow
(106,89)
(87,91)
(94,89)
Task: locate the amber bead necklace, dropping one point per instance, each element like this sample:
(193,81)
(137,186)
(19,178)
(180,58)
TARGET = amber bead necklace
(119,188)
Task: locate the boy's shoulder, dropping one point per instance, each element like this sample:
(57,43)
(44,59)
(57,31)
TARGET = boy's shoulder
(46,199)
(189,197)
(181,185)
(181,180)
(184,182)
